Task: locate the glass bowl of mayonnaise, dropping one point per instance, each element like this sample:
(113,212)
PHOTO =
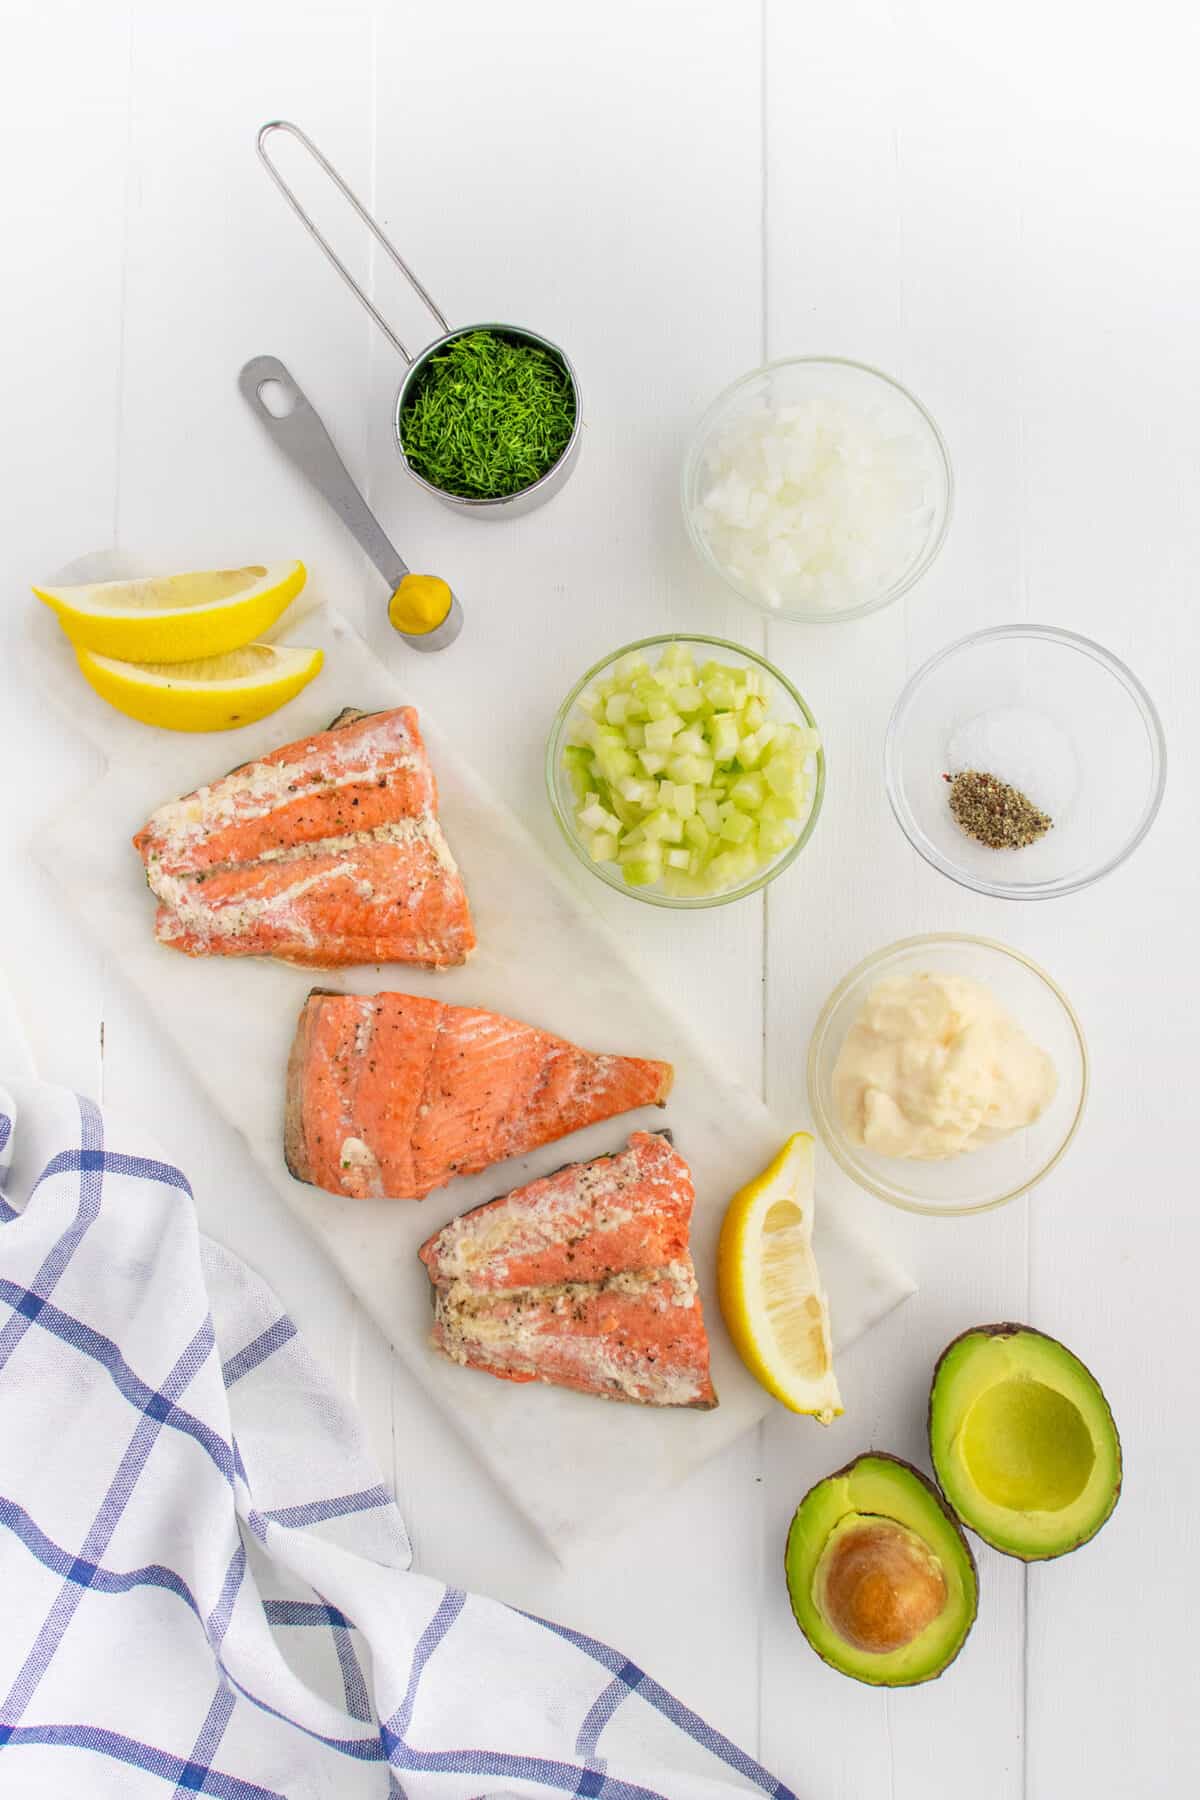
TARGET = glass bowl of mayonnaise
(947,1074)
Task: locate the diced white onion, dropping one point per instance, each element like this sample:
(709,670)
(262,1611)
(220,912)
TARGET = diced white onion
(822,504)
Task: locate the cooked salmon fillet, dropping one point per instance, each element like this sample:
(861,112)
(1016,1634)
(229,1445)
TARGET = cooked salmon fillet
(588,1221)
(327,852)
(395,1094)
(583,1280)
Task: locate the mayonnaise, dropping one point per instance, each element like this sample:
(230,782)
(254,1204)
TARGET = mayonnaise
(934,1066)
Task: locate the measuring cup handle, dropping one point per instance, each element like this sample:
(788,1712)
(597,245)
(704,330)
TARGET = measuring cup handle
(305,442)
(372,226)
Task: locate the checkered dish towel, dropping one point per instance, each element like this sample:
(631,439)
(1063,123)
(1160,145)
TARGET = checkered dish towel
(206,1588)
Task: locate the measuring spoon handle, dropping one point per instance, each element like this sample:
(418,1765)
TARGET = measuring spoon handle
(304,440)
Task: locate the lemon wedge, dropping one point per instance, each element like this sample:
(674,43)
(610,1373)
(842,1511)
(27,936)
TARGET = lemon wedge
(770,1291)
(175,618)
(216,693)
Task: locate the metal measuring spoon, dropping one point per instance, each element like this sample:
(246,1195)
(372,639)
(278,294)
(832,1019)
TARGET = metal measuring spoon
(423,603)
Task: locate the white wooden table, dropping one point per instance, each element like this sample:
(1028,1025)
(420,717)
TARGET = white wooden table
(1000,208)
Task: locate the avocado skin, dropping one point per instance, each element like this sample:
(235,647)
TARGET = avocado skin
(934,1494)
(1010,1328)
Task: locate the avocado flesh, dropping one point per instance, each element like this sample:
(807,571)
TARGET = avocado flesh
(1023,1441)
(877,1490)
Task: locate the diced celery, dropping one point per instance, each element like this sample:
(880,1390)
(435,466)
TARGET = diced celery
(729,869)
(698,770)
(643,852)
(773,840)
(679,774)
(737,828)
(720,690)
(578,764)
(723,736)
(612,764)
(748,792)
(667,827)
(637,793)
(792,739)
(752,746)
(784,777)
(594,817)
(660,733)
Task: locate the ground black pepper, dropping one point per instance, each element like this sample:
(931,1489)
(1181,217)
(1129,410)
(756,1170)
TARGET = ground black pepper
(993,813)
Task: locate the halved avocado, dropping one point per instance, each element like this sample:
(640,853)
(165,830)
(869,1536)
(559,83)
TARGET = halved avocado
(1023,1441)
(881,1580)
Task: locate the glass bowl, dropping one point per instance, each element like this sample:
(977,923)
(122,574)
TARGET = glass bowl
(978,1179)
(1051,714)
(785,705)
(869,392)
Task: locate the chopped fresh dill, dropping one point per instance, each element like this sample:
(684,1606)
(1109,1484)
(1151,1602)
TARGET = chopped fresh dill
(488,415)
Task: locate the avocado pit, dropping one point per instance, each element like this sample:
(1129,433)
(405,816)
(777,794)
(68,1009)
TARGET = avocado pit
(881,1579)
(878,1584)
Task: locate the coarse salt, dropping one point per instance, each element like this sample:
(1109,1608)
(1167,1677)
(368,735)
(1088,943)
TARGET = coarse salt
(1026,749)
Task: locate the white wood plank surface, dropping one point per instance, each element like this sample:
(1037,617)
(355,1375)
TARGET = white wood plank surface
(1000,208)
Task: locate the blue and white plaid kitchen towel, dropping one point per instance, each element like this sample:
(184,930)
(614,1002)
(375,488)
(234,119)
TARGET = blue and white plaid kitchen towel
(205,1587)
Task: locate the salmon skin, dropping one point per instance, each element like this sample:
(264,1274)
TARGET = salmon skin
(583,1280)
(393,1094)
(328,852)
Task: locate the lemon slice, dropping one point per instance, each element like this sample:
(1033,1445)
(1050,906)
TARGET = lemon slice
(175,618)
(770,1290)
(216,693)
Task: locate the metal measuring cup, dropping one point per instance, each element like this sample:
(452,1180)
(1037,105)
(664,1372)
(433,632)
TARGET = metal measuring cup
(506,504)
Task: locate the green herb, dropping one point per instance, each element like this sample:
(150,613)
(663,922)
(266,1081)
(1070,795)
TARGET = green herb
(993,813)
(488,415)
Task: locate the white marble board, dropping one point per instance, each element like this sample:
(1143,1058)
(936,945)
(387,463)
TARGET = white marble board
(577,1467)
